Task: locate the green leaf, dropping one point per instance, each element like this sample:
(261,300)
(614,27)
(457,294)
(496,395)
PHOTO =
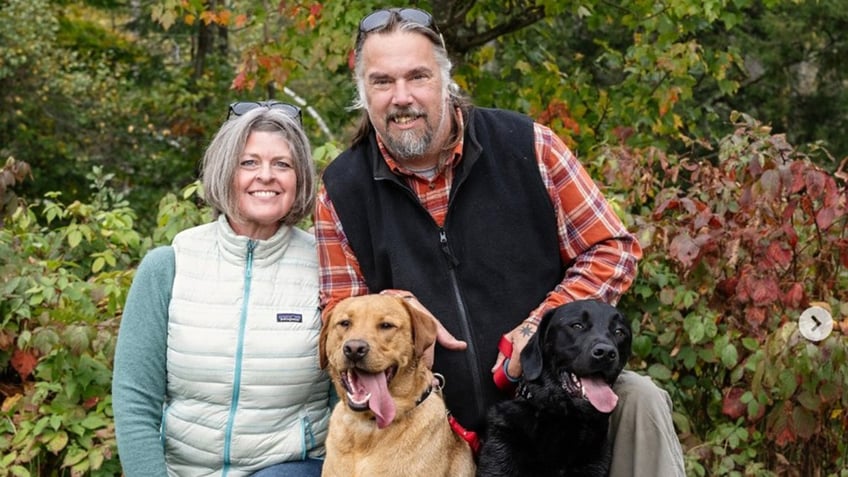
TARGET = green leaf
(44,339)
(729,356)
(753,408)
(787,384)
(95,458)
(688,356)
(694,326)
(73,456)
(707,355)
(642,346)
(12,285)
(98,264)
(659,372)
(93,421)
(74,238)
(39,426)
(77,339)
(750,344)
(681,422)
(57,442)
(8,459)
(20,471)
(81,467)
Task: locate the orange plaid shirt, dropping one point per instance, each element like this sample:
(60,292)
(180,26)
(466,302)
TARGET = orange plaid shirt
(601,254)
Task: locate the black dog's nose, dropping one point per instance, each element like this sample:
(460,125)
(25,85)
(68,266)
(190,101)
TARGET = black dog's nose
(355,350)
(604,352)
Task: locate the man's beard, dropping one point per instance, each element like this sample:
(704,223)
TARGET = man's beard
(408,144)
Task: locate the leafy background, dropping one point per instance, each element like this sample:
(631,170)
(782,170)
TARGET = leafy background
(715,127)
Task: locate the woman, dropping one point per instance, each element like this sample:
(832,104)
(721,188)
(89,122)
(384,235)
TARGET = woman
(216,367)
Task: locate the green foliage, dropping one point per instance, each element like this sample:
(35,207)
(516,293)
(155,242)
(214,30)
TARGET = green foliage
(735,249)
(176,214)
(796,79)
(61,292)
(81,88)
(138,89)
(62,289)
(108,105)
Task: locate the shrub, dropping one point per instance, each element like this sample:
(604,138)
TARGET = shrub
(735,249)
(66,271)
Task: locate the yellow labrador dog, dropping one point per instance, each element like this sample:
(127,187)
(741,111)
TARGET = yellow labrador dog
(391,419)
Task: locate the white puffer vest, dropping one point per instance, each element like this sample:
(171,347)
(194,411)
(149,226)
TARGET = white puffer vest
(245,390)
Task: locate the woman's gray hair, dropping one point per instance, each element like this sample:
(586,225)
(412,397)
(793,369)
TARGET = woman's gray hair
(221,160)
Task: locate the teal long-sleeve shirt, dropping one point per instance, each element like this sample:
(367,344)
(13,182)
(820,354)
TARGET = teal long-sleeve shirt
(139,377)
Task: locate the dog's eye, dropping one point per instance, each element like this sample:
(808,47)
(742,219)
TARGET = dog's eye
(386,325)
(343,323)
(619,332)
(577,326)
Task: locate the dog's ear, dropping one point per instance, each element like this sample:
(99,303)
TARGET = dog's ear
(322,338)
(627,347)
(531,355)
(423,326)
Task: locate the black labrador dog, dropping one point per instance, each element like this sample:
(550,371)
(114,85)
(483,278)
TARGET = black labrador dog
(557,423)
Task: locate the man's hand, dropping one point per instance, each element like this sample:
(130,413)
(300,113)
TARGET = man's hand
(443,336)
(518,337)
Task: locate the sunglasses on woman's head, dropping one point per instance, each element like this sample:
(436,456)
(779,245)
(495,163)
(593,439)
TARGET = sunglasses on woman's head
(381,18)
(239,108)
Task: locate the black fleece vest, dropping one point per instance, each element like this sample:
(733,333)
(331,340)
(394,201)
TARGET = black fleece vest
(482,274)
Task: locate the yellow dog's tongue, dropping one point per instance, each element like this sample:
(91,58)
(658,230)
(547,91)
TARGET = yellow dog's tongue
(381,403)
(599,394)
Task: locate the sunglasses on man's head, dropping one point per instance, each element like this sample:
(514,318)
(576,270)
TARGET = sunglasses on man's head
(239,108)
(381,18)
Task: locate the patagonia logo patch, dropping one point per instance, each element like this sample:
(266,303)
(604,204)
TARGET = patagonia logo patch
(289,318)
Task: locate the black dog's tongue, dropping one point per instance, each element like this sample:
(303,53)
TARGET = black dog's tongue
(379,400)
(599,393)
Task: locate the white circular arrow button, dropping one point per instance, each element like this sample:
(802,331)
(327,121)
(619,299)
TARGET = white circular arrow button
(815,323)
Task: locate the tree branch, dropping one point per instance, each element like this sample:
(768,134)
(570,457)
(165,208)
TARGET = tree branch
(462,37)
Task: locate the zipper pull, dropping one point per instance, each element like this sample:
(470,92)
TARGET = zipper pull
(251,245)
(443,240)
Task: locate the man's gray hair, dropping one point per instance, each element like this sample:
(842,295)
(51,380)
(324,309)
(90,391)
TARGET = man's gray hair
(398,24)
(452,90)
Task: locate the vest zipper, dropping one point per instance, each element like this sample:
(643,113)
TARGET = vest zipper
(470,352)
(443,241)
(307,436)
(453,262)
(228,435)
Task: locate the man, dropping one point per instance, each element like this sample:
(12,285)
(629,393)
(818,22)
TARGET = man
(486,218)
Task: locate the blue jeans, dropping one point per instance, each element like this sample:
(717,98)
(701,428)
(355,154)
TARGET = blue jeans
(295,468)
